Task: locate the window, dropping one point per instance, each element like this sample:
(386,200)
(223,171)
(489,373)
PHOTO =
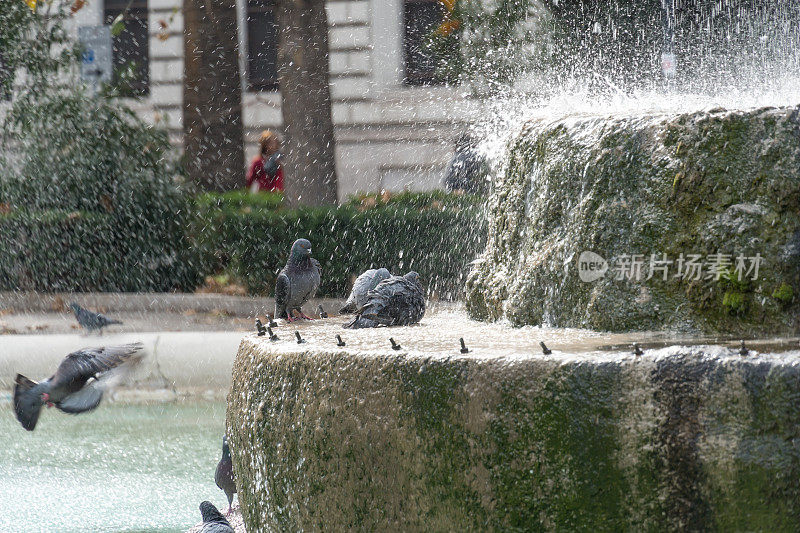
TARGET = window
(422,18)
(130,48)
(262,46)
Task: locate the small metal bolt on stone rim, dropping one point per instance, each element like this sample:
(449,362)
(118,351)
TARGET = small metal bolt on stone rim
(300,340)
(339,341)
(395,346)
(545,349)
(260,328)
(743,350)
(636,349)
(464,348)
(272,336)
(272,323)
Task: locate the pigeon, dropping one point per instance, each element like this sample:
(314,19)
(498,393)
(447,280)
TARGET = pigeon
(91,321)
(77,385)
(223,477)
(297,282)
(363,284)
(396,301)
(213,521)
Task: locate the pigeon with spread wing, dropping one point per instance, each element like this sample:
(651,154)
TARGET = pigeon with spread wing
(77,385)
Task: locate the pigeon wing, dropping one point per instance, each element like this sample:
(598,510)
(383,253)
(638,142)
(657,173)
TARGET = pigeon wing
(78,367)
(282,292)
(84,400)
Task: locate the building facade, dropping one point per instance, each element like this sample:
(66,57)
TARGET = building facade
(395,122)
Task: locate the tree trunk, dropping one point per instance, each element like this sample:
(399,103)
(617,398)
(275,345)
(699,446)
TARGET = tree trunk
(310,162)
(212,95)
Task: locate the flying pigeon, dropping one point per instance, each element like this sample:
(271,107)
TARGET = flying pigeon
(397,301)
(213,521)
(223,477)
(297,282)
(91,321)
(77,385)
(363,284)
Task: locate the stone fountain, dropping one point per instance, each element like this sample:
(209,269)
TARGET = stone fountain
(606,225)
(685,436)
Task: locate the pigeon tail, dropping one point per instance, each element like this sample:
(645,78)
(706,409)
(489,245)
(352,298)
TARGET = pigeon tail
(28,401)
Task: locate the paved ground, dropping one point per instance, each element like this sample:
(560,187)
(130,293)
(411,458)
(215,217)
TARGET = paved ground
(34,313)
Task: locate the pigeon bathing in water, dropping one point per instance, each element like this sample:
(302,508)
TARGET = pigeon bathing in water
(77,385)
(213,521)
(397,301)
(297,282)
(363,284)
(223,477)
(91,321)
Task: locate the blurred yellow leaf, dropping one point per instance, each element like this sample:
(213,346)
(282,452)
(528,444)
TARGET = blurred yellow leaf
(31,4)
(76,6)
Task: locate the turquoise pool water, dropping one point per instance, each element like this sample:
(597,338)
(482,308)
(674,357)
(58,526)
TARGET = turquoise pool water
(132,468)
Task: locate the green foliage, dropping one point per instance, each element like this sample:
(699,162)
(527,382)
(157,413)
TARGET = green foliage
(240,200)
(89,191)
(81,251)
(413,232)
(783,293)
(498,42)
(34,42)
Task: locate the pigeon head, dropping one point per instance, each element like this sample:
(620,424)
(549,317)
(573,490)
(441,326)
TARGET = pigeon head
(211,513)
(301,249)
(412,276)
(226,450)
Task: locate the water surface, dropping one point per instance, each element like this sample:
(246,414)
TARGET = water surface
(131,468)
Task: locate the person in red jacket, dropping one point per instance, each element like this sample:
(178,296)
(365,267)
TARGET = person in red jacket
(266,171)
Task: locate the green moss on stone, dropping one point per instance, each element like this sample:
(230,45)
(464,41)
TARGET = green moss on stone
(734,302)
(703,183)
(783,293)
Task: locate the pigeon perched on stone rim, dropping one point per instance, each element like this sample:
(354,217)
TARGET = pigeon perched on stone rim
(213,521)
(397,301)
(364,283)
(298,282)
(223,476)
(91,320)
(77,385)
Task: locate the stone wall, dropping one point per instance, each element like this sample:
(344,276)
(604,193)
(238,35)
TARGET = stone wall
(678,439)
(651,187)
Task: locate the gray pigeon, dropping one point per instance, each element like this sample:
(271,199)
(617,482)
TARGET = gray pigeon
(213,521)
(364,283)
(223,477)
(297,282)
(77,385)
(397,301)
(91,321)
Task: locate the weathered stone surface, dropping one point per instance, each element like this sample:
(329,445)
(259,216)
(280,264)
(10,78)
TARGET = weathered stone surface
(723,182)
(351,438)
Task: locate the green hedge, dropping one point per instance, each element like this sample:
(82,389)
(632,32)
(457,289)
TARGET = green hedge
(81,251)
(245,236)
(435,234)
